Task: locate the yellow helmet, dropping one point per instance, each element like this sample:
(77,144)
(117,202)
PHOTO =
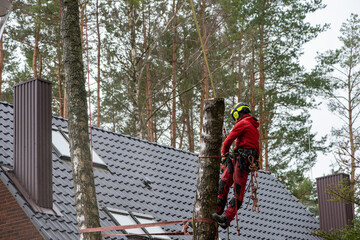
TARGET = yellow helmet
(239,108)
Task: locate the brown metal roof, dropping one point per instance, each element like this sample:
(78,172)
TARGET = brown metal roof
(333,215)
(32,139)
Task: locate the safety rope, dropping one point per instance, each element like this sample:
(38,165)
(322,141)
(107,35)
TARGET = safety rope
(211,156)
(193,219)
(202,46)
(235,193)
(253,184)
(145,225)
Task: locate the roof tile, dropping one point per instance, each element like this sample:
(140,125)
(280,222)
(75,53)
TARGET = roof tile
(173,179)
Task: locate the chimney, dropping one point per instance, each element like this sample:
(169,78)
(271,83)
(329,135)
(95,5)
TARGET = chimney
(333,215)
(32,140)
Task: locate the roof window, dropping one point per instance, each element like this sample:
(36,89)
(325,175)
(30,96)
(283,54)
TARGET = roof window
(60,141)
(123,218)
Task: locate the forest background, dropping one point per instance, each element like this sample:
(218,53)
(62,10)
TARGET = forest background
(149,78)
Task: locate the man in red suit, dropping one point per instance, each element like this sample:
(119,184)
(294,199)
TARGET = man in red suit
(246,134)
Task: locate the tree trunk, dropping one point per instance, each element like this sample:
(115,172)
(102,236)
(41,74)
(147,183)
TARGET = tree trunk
(40,66)
(84,186)
(148,93)
(266,124)
(60,86)
(351,132)
(82,21)
(189,126)
(1,64)
(252,85)
(174,59)
(36,44)
(205,79)
(66,115)
(98,65)
(133,74)
(262,84)
(205,37)
(240,76)
(209,168)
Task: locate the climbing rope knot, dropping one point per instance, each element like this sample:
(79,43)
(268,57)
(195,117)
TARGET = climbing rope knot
(185,228)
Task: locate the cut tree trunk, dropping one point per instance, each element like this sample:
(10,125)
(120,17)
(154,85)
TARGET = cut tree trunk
(209,168)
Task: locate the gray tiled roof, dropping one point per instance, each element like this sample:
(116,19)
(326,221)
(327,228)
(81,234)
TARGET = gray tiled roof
(173,175)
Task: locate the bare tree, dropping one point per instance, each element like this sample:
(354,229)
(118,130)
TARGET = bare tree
(345,99)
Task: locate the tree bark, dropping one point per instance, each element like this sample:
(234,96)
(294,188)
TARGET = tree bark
(66,115)
(350,84)
(189,125)
(40,66)
(98,66)
(209,168)
(262,85)
(205,37)
(205,81)
(148,93)
(240,76)
(36,45)
(1,64)
(133,74)
(252,84)
(83,177)
(60,86)
(174,59)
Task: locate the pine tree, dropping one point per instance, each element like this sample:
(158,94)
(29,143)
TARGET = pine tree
(342,68)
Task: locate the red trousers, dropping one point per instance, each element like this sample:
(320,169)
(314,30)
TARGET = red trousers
(227,180)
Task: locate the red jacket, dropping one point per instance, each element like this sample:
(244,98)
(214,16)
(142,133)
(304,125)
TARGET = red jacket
(246,134)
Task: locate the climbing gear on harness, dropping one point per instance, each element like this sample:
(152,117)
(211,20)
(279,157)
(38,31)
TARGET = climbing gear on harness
(253,183)
(221,220)
(227,161)
(239,108)
(243,158)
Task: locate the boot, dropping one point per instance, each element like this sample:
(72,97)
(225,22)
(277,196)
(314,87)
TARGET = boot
(221,220)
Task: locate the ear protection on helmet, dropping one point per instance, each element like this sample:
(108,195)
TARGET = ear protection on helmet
(239,108)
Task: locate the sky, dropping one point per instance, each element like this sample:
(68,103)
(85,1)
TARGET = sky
(336,12)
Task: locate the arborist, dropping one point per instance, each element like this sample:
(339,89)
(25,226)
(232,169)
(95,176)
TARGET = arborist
(246,147)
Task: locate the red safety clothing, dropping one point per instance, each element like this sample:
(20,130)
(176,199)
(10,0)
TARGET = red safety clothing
(247,137)
(246,134)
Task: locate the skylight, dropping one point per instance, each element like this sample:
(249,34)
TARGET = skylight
(123,218)
(61,144)
(149,219)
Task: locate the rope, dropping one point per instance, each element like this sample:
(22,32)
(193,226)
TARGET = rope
(235,193)
(202,46)
(211,156)
(253,184)
(145,225)
(88,81)
(193,219)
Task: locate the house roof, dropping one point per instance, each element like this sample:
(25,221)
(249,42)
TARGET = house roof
(170,172)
